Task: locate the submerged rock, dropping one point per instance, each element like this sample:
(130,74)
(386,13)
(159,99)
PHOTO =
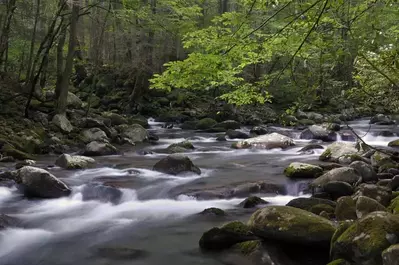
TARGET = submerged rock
(99,149)
(213,212)
(302,170)
(252,202)
(311,147)
(268,141)
(74,162)
(176,164)
(101,193)
(37,182)
(292,225)
(6,221)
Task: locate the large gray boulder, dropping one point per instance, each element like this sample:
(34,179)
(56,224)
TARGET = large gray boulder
(292,225)
(176,164)
(62,123)
(268,141)
(74,162)
(318,133)
(366,205)
(135,132)
(334,151)
(74,101)
(94,134)
(99,149)
(344,174)
(37,182)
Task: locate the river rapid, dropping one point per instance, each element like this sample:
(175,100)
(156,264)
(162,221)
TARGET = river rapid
(148,217)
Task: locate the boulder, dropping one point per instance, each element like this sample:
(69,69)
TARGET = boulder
(365,170)
(226,236)
(319,208)
(213,212)
(259,130)
(379,193)
(381,119)
(221,138)
(228,125)
(74,101)
(74,162)
(176,164)
(205,124)
(94,134)
(395,183)
(344,174)
(116,119)
(349,158)
(302,170)
(99,149)
(291,225)
(334,151)
(394,206)
(390,256)
(364,241)
(319,133)
(26,162)
(308,203)
(233,134)
(394,143)
(332,126)
(268,141)
(62,123)
(37,182)
(346,209)
(310,147)
(252,202)
(381,176)
(379,159)
(180,147)
(366,205)
(338,189)
(135,132)
(189,125)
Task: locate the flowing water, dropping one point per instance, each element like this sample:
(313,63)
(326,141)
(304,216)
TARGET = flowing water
(146,217)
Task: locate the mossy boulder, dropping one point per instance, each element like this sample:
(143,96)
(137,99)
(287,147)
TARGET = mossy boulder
(308,203)
(74,162)
(379,193)
(346,209)
(205,124)
(99,149)
(213,212)
(252,202)
(228,125)
(61,122)
(134,132)
(366,205)
(319,208)
(349,158)
(334,151)
(248,247)
(189,125)
(379,159)
(364,241)
(302,170)
(305,122)
(94,134)
(344,174)
(365,170)
(394,143)
(176,164)
(268,141)
(390,256)
(233,134)
(10,150)
(226,236)
(394,206)
(292,225)
(180,147)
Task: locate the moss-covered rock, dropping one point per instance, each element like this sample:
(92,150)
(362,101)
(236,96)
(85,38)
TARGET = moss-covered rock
(302,170)
(318,208)
(176,164)
(305,122)
(346,209)
(9,150)
(394,143)
(379,159)
(379,193)
(344,174)
(366,205)
(252,202)
(206,124)
(337,189)
(339,262)
(134,132)
(308,203)
(349,158)
(226,236)
(293,225)
(74,162)
(364,241)
(365,170)
(248,247)
(334,151)
(390,256)
(213,212)
(189,125)
(228,125)
(387,167)
(187,145)
(233,134)
(394,206)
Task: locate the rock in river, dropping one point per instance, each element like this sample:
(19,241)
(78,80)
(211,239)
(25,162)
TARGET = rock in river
(99,149)
(176,164)
(268,141)
(344,174)
(302,170)
(74,162)
(319,133)
(37,182)
(292,225)
(334,151)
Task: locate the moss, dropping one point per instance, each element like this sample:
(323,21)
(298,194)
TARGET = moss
(237,227)
(343,226)
(394,206)
(301,170)
(180,147)
(325,155)
(339,262)
(213,211)
(395,194)
(384,168)
(248,247)
(9,150)
(394,143)
(318,208)
(206,123)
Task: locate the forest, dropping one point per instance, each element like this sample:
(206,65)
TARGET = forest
(199,132)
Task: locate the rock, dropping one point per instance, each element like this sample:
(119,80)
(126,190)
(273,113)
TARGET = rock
(393,171)
(99,149)
(269,141)
(252,202)
(319,133)
(226,236)
(384,182)
(306,122)
(228,125)
(221,138)
(363,242)
(74,162)
(338,189)
(394,143)
(180,147)
(40,117)
(206,124)
(6,221)
(394,206)
(311,147)
(334,151)
(74,101)
(232,134)
(381,119)
(292,225)
(366,205)
(386,133)
(62,123)
(331,126)
(395,183)
(379,159)
(346,209)
(7,159)
(189,125)
(390,256)
(308,203)
(348,137)
(259,130)
(94,134)
(329,166)
(135,132)
(350,158)
(302,170)
(213,212)
(344,174)
(315,116)
(339,262)
(365,170)
(101,193)
(9,150)
(115,118)
(319,208)
(176,164)
(384,176)
(379,193)
(37,182)
(26,162)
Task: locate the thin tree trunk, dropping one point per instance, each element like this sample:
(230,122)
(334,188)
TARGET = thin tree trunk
(6,28)
(60,59)
(33,40)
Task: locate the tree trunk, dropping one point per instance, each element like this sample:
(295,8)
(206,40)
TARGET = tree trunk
(10,8)
(33,40)
(64,84)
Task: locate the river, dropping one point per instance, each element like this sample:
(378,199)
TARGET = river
(148,218)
